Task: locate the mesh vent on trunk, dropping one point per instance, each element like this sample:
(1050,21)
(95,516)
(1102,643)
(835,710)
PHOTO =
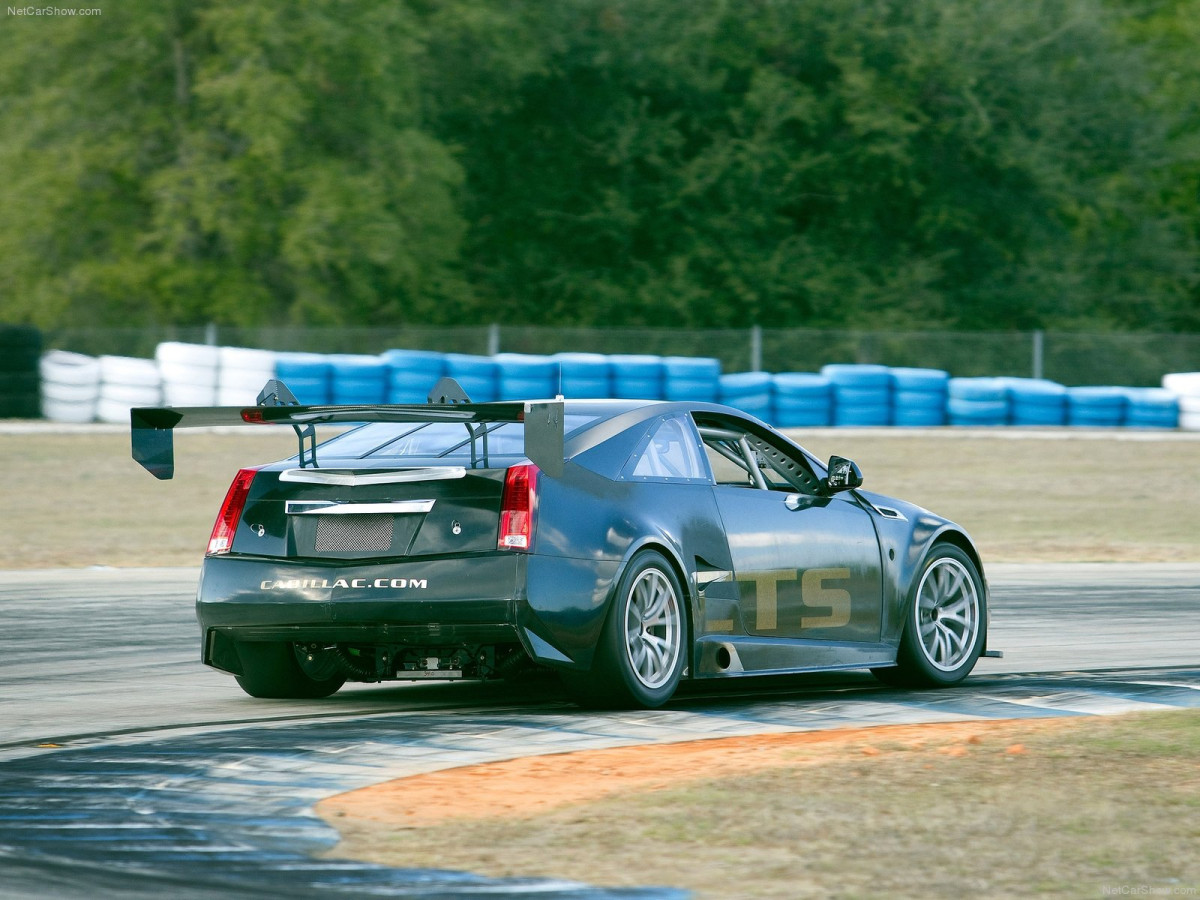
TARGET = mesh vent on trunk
(353,534)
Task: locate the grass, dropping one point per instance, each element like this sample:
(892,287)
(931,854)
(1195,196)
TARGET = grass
(79,499)
(1052,808)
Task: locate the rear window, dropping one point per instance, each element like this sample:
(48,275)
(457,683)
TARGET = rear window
(451,441)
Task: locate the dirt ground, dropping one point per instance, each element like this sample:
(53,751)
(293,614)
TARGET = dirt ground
(1061,807)
(528,786)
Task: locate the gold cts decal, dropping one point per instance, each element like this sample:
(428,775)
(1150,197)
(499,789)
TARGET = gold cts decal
(814,594)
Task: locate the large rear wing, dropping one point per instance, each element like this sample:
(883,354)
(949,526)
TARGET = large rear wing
(152,428)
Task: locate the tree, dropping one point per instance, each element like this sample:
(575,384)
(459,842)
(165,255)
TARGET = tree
(241,163)
(871,163)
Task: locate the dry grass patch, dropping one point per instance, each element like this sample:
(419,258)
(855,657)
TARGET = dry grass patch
(78,499)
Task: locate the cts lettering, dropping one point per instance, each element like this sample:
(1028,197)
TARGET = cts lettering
(813,594)
(300,584)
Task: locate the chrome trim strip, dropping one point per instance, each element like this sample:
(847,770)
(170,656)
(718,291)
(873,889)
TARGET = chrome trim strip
(888,513)
(334,508)
(354,479)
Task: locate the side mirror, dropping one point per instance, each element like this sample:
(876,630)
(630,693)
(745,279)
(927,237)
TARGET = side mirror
(844,475)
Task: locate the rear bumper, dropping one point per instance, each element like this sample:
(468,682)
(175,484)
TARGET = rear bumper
(262,597)
(553,607)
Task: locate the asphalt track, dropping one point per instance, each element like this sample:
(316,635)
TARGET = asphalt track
(129,770)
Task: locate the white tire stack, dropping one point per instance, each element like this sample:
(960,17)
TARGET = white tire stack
(243,374)
(189,373)
(70,386)
(126,382)
(1186,386)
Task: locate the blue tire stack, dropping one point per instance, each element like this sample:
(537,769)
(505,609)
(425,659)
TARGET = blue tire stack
(307,376)
(583,376)
(978,401)
(862,394)
(1151,408)
(521,376)
(801,400)
(691,378)
(1035,401)
(637,377)
(919,397)
(748,391)
(358,379)
(1096,407)
(412,374)
(476,375)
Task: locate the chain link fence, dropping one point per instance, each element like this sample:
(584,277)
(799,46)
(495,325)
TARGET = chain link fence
(1134,360)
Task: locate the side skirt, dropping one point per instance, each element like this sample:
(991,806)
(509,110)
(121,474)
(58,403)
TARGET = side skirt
(722,656)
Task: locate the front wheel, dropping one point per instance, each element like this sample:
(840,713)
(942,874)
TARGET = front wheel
(271,671)
(946,624)
(643,648)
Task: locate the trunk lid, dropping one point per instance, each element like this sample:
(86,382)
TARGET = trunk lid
(371,513)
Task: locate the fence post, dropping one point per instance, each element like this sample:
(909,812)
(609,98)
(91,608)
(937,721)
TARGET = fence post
(210,334)
(1039,350)
(756,360)
(493,339)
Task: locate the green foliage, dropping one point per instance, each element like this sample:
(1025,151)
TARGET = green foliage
(238,163)
(915,164)
(848,163)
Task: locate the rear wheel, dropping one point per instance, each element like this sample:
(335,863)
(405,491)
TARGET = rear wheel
(271,671)
(946,624)
(643,648)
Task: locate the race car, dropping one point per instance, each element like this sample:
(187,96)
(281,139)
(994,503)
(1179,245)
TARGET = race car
(629,545)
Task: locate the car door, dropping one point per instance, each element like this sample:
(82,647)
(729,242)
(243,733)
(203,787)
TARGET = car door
(806,565)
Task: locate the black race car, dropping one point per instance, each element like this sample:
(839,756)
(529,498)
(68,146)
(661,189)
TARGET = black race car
(626,544)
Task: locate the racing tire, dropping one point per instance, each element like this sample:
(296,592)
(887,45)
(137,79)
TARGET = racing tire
(945,625)
(270,672)
(643,647)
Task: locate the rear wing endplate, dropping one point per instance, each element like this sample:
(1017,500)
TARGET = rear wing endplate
(152,428)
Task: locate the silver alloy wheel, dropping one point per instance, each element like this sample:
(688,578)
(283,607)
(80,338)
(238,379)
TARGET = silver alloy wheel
(947,614)
(653,636)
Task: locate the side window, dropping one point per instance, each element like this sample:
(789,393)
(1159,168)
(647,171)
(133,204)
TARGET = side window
(671,453)
(740,458)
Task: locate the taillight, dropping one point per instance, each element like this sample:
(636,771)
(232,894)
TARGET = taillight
(517,508)
(231,510)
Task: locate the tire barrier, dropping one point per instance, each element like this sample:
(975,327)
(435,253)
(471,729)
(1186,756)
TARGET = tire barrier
(748,391)
(637,376)
(307,375)
(977,401)
(188,372)
(1151,408)
(801,400)
(584,375)
(412,374)
(126,382)
(862,394)
(70,386)
(695,378)
(357,379)
(1036,402)
(1186,388)
(20,379)
(476,374)
(919,397)
(521,376)
(241,374)
(1095,407)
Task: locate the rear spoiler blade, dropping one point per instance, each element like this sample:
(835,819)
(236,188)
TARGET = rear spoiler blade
(152,428)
